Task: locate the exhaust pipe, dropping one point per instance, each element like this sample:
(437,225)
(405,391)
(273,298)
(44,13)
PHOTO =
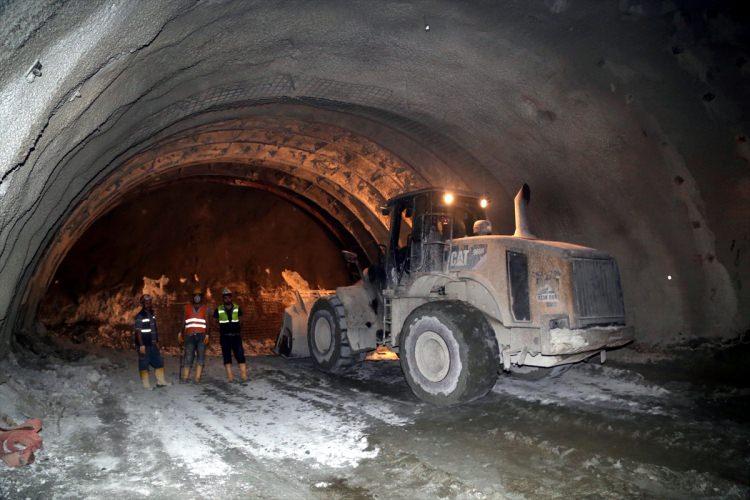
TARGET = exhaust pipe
(522,199)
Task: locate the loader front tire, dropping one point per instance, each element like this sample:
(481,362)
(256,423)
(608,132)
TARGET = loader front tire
(326,337)
(448,353)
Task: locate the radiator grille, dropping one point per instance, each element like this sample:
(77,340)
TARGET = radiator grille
(596,289)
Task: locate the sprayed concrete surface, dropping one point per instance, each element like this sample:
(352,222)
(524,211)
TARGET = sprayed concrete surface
(627,118)
(607,431)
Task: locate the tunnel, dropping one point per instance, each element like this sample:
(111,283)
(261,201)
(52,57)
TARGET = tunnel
(207,247)
(159,147)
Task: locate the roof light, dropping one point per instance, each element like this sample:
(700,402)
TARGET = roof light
(448,198)
(484,202)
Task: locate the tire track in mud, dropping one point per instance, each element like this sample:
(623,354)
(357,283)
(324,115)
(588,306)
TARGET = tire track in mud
(334,393)
(346,483)
(264,478)
(676,440)
(247,474)
(359,384)
(315,413)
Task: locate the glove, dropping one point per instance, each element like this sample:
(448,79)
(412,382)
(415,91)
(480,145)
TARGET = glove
(205,341)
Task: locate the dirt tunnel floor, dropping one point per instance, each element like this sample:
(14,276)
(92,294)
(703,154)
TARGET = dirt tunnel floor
(607,431)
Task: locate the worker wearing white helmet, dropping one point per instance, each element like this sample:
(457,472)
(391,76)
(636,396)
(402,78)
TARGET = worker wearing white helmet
(230,335)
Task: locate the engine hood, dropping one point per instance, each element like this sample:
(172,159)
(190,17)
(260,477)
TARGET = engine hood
(557,248)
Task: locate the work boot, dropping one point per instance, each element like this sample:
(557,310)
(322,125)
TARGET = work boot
(198,373)
(230,375)
(144,379)
(160,380)
(243,372)
(185,374)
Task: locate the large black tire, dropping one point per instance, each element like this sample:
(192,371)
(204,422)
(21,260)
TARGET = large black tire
(449,353)
(326,337)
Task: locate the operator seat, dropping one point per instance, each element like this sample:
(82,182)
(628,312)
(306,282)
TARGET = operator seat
(482,227)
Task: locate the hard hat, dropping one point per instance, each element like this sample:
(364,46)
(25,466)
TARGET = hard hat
(226,291)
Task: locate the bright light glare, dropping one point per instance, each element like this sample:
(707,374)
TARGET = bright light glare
(483,203)
(669,276)
(448,198)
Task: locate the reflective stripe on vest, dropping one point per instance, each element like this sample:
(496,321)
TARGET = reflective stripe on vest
(224,318)
(195,321)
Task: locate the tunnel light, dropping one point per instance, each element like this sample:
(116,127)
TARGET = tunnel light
(669,277)
(448,198)
(484,202)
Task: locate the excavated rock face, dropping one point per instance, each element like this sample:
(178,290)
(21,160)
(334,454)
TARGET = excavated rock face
(628,120)
(196,233)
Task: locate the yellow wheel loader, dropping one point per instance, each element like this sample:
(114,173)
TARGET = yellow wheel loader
(458,303)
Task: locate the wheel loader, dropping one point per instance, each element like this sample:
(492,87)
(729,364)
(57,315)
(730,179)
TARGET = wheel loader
(459,304)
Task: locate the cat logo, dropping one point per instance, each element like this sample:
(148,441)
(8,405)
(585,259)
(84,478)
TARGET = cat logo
(466,256)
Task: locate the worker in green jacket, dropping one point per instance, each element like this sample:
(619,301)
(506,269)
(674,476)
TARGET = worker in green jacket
(230,336)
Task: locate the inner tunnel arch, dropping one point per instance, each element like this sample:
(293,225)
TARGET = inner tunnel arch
(340,177)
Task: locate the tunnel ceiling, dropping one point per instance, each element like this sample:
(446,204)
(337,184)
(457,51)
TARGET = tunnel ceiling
(628,126)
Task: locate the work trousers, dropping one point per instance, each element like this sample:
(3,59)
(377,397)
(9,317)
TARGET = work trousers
(151,357)
(195,343)
(232,344)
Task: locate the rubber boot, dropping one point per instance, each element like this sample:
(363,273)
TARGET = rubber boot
(243,372)
(230,375)
(144,379)
(198,373)
(185,374)
(160,380)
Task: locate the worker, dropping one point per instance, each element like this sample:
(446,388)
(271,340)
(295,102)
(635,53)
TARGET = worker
(194,335)
(228,315)
(146,338)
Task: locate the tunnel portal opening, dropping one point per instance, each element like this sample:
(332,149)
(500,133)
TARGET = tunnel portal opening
(199,232)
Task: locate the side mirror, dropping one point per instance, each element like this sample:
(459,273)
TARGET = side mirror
(350,257)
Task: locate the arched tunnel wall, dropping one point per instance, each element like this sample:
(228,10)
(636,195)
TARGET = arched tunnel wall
(604,108)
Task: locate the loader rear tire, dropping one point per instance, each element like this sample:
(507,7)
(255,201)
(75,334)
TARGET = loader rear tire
(285,343)
(326,337)
(449,354)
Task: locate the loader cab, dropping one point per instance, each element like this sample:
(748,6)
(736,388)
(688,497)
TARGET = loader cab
(422,225)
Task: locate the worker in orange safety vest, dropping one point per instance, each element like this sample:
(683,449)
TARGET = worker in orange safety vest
(195,337)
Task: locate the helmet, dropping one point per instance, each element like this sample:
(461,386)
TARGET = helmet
(226,291)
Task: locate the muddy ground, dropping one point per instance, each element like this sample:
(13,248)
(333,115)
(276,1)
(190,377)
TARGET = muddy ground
(619,430)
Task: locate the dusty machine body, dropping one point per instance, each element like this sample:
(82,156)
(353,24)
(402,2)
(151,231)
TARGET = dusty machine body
(458,304)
